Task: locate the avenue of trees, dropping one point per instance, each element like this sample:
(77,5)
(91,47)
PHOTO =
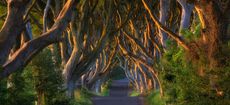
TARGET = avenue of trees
(178,49)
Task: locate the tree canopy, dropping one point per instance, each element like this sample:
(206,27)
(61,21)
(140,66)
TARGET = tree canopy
(165,45)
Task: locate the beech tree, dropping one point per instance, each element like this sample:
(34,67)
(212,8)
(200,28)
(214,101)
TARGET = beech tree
(93,36)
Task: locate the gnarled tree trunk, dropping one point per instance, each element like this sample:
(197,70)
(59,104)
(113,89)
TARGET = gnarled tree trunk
(21,57)
(12,27)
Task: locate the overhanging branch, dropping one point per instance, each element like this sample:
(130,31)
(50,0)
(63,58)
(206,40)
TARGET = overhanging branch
(176,37)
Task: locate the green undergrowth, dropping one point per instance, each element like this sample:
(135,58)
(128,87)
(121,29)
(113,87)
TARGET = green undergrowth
(154,98)
(134,93)
(83,97)
(105,88)
(191,35)
(41,75)
(183,86)
(181,80)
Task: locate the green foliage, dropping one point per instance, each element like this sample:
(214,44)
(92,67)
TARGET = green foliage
(183,85)
(154,98)
(192,35)
(14,91)
(134,94)
(48,79)
(105,88)
(41,75)
(83,97)
(180,79)
(2,12)
(3,91)
(17,90)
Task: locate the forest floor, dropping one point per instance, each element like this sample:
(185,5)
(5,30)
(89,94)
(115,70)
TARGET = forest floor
(118,95)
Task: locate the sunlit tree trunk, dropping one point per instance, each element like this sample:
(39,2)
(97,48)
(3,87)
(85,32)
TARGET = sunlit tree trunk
(74,58)
(65,49)
(22,56)
(170,33)
(12,27)
(27,34)
(214,30)
(213,16)
(164,15)
(186,14)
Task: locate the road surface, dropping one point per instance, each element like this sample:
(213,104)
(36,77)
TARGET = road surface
(118,95)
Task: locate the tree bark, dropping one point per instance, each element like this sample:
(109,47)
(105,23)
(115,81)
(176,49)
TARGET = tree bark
(174,36)
(31,48)
(186,14)
(213,31)
(213,34)
(41,98)
(12,27)
(164,15)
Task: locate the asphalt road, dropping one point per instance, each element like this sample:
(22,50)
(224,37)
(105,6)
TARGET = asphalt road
(118,95)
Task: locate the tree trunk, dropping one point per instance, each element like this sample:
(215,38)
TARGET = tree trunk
(70,88)
(12,27)
(31,48)
(41,98)
(64,50)
(98,86)
(186,14)
(214,30)
(164,15)
(212,39)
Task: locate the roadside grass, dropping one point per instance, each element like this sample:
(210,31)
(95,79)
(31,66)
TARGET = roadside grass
(154,98)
